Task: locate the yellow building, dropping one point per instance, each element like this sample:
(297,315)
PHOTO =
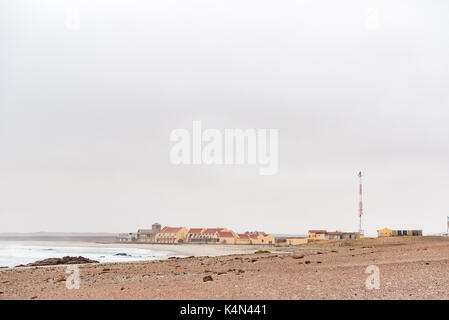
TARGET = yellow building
(385,232)
(261,238)
(195,235)
(296,241)
(226,237)
(171,235)
(268,239)
(317,234)
(243,239)
(211,234)
(255,238)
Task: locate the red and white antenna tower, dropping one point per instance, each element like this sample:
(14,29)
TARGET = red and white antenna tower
(360,203)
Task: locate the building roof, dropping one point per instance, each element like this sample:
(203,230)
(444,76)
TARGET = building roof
(227,234)
(195,230)
(170,230)
(253,236)
(244,236)
(335,233)
(213,230)
(317,231)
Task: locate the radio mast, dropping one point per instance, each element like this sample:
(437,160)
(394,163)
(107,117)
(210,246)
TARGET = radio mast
(360,203)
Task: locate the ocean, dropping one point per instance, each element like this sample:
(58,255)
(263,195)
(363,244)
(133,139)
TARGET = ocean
(16,253)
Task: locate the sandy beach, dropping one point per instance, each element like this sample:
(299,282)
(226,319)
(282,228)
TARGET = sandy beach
(408,269)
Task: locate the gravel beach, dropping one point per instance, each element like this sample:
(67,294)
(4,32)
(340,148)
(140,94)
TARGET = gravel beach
(408,269)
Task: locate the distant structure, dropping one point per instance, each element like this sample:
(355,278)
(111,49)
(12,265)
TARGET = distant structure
(226,236)
(148,235)
(385,232)
(204,235)
(195,235)
(360,203)
(178,235)
(337,235)
(127,237)
(296,241)
(171,235)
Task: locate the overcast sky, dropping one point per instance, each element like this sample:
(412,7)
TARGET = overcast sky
(90,91)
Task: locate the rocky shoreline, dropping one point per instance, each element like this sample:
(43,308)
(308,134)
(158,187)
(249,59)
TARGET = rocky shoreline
(58,261)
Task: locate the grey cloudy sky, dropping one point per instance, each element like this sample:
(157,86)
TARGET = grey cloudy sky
(90,91)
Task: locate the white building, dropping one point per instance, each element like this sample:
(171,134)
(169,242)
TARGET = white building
(127,237)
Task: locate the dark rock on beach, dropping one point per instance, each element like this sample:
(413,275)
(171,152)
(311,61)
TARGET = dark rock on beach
(208,278)
(57,261)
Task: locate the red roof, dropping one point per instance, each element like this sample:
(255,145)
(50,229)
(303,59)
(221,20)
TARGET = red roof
(253,236)
(243,236)
(225,235)
(170,230)
(317,231)
(195,230)
(213,230)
